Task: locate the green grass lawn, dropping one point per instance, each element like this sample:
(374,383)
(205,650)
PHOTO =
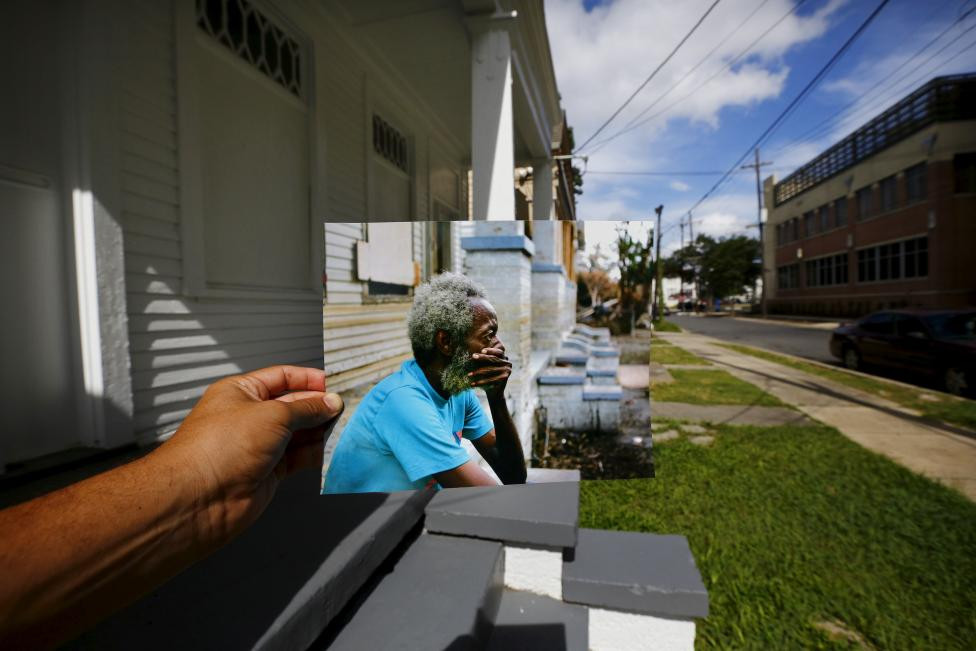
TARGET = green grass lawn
(663,325)
(710,388)
(674,355)
(792,526)
(944,407)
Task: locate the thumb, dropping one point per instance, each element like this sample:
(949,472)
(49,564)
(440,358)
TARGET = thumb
(313,412)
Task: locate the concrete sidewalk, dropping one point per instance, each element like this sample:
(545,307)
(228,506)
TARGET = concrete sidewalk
(941,452)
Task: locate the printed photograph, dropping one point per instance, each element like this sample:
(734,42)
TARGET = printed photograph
(486,353)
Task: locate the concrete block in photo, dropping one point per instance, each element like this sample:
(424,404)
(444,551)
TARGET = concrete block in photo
(638,572)
(531,514)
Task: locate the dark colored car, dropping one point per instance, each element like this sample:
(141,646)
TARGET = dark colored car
(938,344)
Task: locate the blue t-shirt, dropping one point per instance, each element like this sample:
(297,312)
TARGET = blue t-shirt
(402,433)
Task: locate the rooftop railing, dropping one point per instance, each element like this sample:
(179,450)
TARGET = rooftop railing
(942,99)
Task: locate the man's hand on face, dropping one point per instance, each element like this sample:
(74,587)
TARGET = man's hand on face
(492,370)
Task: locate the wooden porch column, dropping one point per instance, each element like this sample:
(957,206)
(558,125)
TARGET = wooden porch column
(492,133)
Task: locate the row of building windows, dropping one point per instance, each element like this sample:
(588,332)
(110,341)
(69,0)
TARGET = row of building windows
(824,272)
(821,219)
(891,261)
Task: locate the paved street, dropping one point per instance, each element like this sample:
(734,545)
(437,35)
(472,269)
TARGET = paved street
(802,340)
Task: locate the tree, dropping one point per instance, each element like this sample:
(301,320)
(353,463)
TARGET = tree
(727,265)
(636,270)
(599,285)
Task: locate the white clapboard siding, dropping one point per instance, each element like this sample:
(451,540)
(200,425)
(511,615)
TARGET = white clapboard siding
(363,343)
(179,345)
(345,123)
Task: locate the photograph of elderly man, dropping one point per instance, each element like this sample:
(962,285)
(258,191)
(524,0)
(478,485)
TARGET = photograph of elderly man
(407,430)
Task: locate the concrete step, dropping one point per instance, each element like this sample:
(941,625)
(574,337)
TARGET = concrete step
(443,593)
(277,585)
(532,622)
(611,392)
(637,572)
(533,514)
(602,370)
(561,375)
(572,356)
(598,334)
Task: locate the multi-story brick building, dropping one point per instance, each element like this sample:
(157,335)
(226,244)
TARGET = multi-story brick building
(884,218)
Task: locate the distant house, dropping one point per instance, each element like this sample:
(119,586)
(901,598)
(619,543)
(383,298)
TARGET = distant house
(166,168)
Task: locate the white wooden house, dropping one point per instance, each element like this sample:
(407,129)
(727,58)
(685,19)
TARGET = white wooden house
(166,167)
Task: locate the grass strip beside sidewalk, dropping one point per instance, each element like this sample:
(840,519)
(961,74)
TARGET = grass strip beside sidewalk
(793,527)
(674,355)
(949,409)
(664,325)
(711,387)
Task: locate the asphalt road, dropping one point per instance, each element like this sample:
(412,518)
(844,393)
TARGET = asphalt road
(802,341)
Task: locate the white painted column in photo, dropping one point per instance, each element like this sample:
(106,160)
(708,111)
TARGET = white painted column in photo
(543,207)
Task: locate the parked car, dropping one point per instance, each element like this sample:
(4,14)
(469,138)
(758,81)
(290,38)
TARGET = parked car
(938,344)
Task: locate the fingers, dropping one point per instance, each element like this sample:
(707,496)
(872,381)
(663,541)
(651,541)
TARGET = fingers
(497,377)
(308,413)
(273,381)
(491,359)
(498,351)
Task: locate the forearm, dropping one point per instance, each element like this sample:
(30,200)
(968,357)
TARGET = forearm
(509,459)
(72,557)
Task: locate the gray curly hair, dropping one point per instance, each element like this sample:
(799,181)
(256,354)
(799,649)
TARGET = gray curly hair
(442,303)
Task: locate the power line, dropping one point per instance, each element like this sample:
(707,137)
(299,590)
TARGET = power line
(694,90)
(819,127)
(688,74)
(651,76)
(796,100)
(658,173)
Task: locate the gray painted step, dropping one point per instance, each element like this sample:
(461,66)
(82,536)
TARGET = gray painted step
(593,391)
(443,593)
(279,583)
(533,514)
(531,622)
(570,356)
(639,572)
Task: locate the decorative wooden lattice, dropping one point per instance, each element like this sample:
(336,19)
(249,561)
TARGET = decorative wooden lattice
(252,36)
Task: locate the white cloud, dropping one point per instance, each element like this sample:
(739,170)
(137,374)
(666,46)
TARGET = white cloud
(601,56)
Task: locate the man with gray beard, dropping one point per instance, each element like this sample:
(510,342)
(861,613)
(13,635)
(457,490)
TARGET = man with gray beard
(407,431)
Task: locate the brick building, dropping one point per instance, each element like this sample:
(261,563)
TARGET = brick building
(886,217)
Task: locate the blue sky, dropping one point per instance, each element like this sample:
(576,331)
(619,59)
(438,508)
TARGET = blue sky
(602,50)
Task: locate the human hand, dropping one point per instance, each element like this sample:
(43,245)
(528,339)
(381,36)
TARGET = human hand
(246,434)
(492,370)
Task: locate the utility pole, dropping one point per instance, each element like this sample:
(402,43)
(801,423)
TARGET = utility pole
(658,305)
(681,277)
(762,251)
